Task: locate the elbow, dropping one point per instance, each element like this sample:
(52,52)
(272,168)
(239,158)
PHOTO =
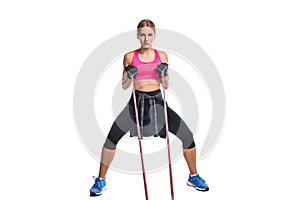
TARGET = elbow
(124,87)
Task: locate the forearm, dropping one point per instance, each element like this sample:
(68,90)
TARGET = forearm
(126,82)
(165,82)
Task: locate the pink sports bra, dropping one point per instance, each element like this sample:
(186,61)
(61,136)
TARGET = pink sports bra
(146,70)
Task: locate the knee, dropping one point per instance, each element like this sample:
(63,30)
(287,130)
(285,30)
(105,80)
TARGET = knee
(189,145)
(111,145)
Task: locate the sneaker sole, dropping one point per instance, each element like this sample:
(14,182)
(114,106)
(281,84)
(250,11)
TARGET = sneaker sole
(97,194)
(199,189)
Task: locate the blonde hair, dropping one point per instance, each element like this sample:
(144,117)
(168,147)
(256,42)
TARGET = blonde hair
(146,23)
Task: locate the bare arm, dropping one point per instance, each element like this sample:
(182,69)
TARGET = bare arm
(164,58)
(126,61)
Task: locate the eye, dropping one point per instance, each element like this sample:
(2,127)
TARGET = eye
(150,34)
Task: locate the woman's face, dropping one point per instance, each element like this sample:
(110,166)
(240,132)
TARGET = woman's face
(146,36)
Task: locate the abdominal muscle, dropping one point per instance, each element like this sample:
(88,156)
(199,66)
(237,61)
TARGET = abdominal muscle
(146,85)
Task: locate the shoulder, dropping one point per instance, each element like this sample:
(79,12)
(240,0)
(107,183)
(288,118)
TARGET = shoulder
(128,57)
(163,56)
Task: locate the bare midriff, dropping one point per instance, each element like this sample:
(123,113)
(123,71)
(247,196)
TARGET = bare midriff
(146,85)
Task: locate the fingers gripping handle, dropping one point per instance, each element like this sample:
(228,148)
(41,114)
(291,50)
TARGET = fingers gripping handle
(162,69)
(131,71)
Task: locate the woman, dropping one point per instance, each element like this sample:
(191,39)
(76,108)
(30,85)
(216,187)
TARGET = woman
(141,65)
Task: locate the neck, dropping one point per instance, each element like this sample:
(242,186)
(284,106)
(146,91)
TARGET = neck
(145,50)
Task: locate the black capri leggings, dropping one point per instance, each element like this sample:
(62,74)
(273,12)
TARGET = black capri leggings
(126,122)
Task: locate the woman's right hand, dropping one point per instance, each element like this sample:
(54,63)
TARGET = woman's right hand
(131,71)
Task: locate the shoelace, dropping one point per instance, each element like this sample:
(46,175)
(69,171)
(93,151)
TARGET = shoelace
(198,179)
(97,183)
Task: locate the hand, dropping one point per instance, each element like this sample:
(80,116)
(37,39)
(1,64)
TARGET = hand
(131,71)
(162,69)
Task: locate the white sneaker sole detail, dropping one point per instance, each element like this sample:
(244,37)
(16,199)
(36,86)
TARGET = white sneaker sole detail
(98,194)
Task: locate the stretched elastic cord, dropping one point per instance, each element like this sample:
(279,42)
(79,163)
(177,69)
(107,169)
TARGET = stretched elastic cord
(167,136)
(139,138)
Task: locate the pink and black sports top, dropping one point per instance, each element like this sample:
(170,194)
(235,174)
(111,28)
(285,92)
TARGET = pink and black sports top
(146,70)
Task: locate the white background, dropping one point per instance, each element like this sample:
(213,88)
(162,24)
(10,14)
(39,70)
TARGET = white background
(254,44)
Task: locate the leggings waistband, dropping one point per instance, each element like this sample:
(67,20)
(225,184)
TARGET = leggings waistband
(150,93)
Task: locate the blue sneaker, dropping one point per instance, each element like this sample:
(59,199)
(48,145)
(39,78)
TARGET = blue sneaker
(197,182)
(98,187)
